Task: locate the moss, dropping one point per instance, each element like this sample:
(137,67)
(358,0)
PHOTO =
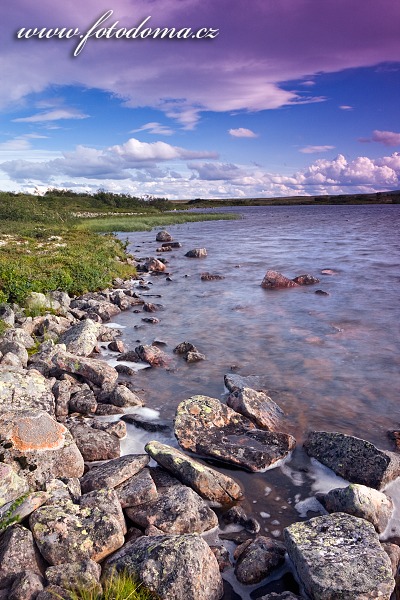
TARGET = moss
(9,518)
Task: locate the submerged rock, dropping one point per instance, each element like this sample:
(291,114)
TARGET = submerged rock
(353,459)
(206,426)
(257,406)
(207,482)
(339,556)
(196,253)
(152,355)
(256,559)
(173,567)
(274,280)
(211,277)
(306,279)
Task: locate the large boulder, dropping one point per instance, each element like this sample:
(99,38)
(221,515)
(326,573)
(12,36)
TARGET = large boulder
(27,585)
(65,532)
(21,390)
(174,567)
(163,236)
(93,370)
(38,448)
(207,482)
(353,459)
(81,339)
(206,426)
(257,406)
(274,280)
(114,472)
(17,553)
(339,556)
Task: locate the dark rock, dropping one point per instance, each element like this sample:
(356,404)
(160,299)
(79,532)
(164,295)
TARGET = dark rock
(18,553)
(125,370)
(173,567)
(164,249)
(274,280)
(206,426)
(95,371)
(129,356)
(114,472)
(81,339)
(306,279)
(211,277)
(117,346)
(117,428)
(138,489)
(172,244)
(280,596)
(143,423)
(196,253)
(257,558)
(7,315)
(83,402)
(152,320)
(393,552)
(353,459)
(26,586)
(94,444)
(75,576)
(321,293)
(151,307)
(222,556)
(237,515)
(103,410)
(339,556)
(152,355)
(207,482)
(184,348)
(236,382)
(359,501)
(163,236)
(257,406)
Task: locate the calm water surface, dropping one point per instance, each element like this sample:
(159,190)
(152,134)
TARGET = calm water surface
(331,362)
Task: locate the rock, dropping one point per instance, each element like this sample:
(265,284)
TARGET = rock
(103,410)
(274,280)
(21,390)
(65,532)
(81,339)
(306,279)
(154,265)
(95,371)
(16,512)
(236,382)
(211,277)
(151,307)
(184,348)
(117,346)
(222,556)
(138,489)
(257,406)
(321,293)
(114,472)
(163,236)
(62,395)
(353,459)
(83,402)
(75,576)
(117,428)
(177,510)
(143,423)
(257,558)
(60,301)
(52,592)
(359,501)
(173,567)
(26,586)
(164,249)
(129,356)
(18,553)
(11,360)
(339,556)
(393,552)
(192,357)
(38,448)
(196,253)
(103,309)
(106,500)
(152,320)
(94,444)
(152,355)
(172,244)
(280,596)
(125,370)
(15,348)
(12,486)
(206,426)
(123,396)
(19,335)
(207,482)
(237,515)
(37,301)
(7,315)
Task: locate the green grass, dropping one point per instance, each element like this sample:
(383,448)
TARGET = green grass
(119,586)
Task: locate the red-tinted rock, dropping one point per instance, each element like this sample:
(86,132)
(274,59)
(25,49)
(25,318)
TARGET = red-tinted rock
(275,280)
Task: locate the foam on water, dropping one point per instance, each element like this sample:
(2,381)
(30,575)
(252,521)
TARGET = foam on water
(393,528)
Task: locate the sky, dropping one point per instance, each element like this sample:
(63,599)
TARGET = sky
(238,99)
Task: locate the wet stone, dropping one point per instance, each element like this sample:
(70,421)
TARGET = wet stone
(258,407)
(142,423)
(275,280)
(256,559)
(152,355)
(196,253)
(305,279)
(237,515)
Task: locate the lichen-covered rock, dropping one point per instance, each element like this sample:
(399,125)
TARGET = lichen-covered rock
(206,426)
(96,371)
(21,336)
(20,390)
(83,402)
(38,448)
(359,501)
(152,355)
(123,396)
(94,444)
(173,567)
(177,510)
(17,553)
(353,459)
(12,486)
(258,407)
(163,236)
(75,576)
(339,556)
(138,489)
(65,532)
(256,559)
(274,280)
(196,253)
(16,512)
(26,586)
(81,339)
(192,357)
(114,472)
(207,482)
(106,500)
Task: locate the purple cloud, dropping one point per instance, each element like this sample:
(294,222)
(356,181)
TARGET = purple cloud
(315,149)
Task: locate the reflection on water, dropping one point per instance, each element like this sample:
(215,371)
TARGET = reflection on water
(332,361)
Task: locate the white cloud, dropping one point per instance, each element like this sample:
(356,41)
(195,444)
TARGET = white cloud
(155,129)
(345,107)
(315,149)
(52,115)
(242,132)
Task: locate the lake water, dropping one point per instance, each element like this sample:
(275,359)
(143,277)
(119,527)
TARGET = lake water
(331,362)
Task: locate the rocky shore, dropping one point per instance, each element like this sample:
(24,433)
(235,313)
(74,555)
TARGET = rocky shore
(73,510)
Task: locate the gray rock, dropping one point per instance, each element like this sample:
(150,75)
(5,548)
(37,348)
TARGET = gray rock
(7,315)
(95,371)
(103,309)
(196,253)
(94,444)
(339,556)
(117,428)
(275,280)
(236,382)
(256,559)
(65,532)
(18,553)
(12,486)
(19,335)
(237,515)
(114,472)
(60,301)
(152,355)
(83,402)
(26,586)
(359,501)
(138,489)
(62,395)
(192,357)
(17,511)
(11,360)
(258,407)
(54,592)
(38,448)
(15,348)
(75,576)
(177,510)
(21,390)
(123,396)
(103,410)
(106,500)
(163,236)
(81,339)
(353,459)
(173,567)
(207,482)
(206,426)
